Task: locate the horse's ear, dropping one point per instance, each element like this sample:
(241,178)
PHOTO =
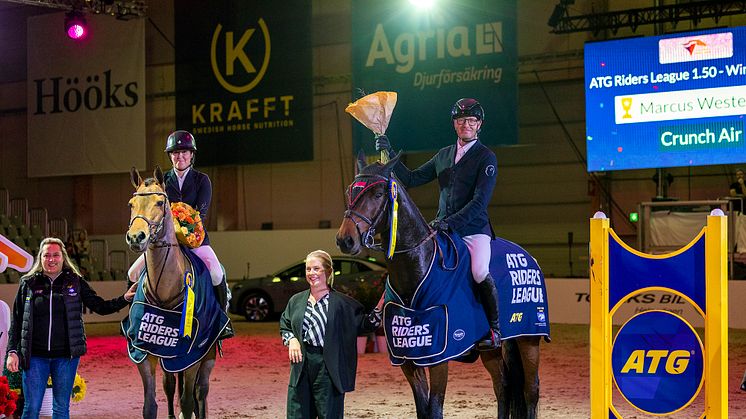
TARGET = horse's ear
(158,174)
(391,163)
(361,163)
(135,177)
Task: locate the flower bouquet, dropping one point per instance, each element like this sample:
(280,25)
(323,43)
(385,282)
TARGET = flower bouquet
(187,224)
(8,398)
(79,388)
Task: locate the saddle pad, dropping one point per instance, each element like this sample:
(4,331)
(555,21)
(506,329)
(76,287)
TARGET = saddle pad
(445,304)
(524,309)
(153,330)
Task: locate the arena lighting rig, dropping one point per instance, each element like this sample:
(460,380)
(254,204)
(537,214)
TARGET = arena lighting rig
(561,21)
(120,9)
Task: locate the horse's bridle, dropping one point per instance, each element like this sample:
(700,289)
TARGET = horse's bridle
(155,228)
(368,238)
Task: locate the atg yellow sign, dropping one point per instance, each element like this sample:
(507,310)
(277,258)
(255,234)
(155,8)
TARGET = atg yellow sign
(657,360)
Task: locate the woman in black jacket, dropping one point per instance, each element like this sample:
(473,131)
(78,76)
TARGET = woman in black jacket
(46,332)
(320,327)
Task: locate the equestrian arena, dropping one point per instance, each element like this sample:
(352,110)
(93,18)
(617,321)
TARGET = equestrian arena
(251,380)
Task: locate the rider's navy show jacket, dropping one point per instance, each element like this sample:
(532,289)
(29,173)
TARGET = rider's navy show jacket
(465,187)
(196,191)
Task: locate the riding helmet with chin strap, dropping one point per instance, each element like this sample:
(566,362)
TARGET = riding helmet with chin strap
(180,140)
(467,107)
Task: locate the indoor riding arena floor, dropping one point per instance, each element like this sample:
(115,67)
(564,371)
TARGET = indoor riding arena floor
(251,381)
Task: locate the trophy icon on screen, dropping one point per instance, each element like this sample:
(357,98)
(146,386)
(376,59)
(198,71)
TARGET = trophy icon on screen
(626,105)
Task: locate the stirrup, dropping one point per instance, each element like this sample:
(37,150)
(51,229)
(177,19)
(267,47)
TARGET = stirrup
(491,342)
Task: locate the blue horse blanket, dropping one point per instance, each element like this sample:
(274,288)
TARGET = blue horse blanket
(445,319)
(152,330)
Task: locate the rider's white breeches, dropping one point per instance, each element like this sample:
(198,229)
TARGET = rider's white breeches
(204,252)
(481,252)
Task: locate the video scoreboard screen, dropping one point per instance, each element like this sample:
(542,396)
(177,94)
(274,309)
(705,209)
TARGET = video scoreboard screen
(666,101)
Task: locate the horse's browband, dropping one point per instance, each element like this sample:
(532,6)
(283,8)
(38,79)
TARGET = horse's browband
(149,193)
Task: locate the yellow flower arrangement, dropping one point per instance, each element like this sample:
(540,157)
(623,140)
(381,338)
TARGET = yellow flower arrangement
(187,224)
(79,388)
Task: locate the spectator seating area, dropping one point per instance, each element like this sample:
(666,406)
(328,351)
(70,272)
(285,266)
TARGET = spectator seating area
(27,227)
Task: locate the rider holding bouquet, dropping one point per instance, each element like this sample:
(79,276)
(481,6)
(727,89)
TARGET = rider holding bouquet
(466,172)
(186,184)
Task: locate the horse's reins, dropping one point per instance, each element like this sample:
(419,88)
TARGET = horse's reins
(155,230)
(368,238)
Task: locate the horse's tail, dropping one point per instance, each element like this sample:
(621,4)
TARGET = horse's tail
(515,377)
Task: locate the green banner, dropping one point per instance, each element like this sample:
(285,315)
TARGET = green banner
(243,79)
(432,58)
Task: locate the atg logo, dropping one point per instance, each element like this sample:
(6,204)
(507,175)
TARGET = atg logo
(658,362)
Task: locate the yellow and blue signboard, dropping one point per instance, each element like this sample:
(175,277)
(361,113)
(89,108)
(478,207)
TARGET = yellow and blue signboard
(656,360)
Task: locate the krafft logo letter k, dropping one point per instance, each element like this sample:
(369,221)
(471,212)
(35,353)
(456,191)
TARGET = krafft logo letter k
(252,44)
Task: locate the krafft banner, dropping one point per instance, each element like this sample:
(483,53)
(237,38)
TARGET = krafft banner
(85,98)
(243,79)
(431,59)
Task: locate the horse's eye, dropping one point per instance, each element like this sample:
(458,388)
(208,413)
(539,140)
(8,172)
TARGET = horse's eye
(129,204)
(378,195)
(160,203)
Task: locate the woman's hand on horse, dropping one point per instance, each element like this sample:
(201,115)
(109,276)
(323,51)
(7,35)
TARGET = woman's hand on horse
(294,353)
(130,294)
(12,363)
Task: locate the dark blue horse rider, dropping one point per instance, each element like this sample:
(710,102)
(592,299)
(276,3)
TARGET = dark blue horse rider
(466,172)
(186,184)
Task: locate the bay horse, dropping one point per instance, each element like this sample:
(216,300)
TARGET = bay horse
(151,230)
(513,370)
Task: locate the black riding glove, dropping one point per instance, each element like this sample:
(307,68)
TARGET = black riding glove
(382,144)
(439,225)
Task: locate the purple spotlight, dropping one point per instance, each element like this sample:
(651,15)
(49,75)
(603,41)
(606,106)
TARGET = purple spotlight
(75,25)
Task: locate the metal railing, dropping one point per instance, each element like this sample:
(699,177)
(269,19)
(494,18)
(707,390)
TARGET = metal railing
(58,228)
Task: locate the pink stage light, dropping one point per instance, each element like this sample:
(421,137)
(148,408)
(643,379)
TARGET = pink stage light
(75,25)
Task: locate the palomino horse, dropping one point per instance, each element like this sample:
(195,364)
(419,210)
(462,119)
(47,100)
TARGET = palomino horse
(514,371)
(151,230)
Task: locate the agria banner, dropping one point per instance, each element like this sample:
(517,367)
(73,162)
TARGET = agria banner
(243,79)
(465,48)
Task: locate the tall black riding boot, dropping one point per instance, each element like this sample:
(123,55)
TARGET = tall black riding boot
(221,294)
(488,297)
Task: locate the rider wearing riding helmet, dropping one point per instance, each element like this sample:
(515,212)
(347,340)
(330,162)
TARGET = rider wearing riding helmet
(466,172)
(186,184)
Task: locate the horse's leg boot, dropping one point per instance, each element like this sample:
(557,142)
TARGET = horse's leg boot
(221,294)
(488,296)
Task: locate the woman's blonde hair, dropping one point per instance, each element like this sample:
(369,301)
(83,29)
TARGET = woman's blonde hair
(326,262)
(66,261)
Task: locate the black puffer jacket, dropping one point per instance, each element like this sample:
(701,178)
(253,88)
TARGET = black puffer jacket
(68,288)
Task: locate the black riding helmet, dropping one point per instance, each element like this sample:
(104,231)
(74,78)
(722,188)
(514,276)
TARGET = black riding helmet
(180,140)
(467,107)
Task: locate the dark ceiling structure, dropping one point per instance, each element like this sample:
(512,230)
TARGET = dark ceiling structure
(695,11)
